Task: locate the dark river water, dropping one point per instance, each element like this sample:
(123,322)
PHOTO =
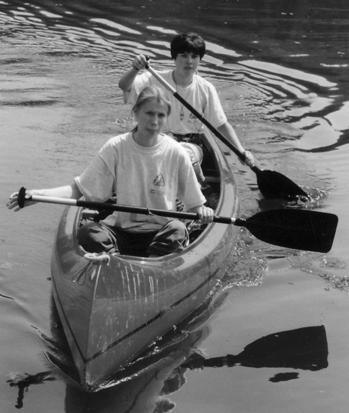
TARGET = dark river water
(281,69)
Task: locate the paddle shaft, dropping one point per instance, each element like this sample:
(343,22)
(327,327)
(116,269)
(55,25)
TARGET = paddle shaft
(132,209)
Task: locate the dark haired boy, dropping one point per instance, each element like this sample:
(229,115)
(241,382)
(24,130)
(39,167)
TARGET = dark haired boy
(187,51)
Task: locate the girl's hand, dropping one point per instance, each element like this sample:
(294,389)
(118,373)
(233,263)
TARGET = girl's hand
(13,201)
(205,213)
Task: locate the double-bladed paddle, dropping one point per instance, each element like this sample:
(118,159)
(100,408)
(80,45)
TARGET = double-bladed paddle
(271,184)
(290,228)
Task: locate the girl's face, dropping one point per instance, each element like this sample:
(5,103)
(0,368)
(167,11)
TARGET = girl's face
(151,117)
(187,62)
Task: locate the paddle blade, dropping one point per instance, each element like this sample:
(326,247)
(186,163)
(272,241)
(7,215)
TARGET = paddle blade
(294,228)
(275,185)
(304,348)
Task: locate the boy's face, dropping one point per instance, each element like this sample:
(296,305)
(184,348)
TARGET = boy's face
(187,62)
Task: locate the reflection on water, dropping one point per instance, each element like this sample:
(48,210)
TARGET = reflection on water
(23,381)
(302,349)
(161,369)
(148,391)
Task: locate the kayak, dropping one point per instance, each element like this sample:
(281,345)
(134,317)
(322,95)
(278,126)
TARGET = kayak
(113,310)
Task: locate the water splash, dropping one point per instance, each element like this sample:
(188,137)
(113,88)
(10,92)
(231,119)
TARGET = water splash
(331,269)
(245,267)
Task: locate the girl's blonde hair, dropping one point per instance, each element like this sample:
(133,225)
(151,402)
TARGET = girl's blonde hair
(151,93)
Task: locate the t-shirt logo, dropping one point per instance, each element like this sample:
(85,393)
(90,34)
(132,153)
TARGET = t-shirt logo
(159,180)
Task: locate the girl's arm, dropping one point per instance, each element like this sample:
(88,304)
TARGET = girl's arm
(67,191)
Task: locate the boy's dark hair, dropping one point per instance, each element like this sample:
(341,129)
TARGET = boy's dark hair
(188,42)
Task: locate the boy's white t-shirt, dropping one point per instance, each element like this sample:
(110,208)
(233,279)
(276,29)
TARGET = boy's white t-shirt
(201,94)
(150,177)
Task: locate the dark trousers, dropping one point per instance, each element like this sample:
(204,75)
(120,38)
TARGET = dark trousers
(99,237)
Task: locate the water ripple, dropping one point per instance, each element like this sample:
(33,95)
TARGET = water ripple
(283,102)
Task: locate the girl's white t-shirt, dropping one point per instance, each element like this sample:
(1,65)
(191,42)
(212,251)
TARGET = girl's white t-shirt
(201,94)
(150,177)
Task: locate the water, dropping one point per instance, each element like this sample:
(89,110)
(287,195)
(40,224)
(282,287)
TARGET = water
(280,68)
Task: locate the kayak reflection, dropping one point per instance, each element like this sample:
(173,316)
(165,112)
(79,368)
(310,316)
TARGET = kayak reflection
(304,348)
(142,394)
(146,390)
